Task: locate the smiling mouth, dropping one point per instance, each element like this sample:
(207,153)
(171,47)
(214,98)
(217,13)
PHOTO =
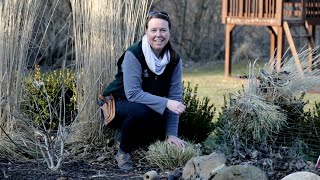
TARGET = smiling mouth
(159,40)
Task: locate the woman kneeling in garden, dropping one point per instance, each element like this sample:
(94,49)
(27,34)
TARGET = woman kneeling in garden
(147,90)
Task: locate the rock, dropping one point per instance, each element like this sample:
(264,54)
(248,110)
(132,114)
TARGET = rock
(310,164)
(254,154)
(215,170)
(62,178)
(101,158)
(150,175)
(271,173)
(302,175)
(176,173)
(241,172)
(203,165)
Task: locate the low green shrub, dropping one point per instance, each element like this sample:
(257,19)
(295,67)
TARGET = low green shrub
(50,97)
(314,114)
(196,124)
(309,128)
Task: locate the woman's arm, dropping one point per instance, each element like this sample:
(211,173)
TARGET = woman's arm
(175,93)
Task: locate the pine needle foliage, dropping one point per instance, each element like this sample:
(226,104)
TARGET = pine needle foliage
(316,113)
(308,131)
(168,156)
(196,123)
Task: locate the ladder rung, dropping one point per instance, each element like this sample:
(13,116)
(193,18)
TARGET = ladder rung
(296,22)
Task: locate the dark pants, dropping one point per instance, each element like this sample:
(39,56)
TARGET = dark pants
(139,125)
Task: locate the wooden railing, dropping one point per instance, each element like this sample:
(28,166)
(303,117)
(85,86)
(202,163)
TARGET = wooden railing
(269,12)
(252,12)
(303,9)
(312,11)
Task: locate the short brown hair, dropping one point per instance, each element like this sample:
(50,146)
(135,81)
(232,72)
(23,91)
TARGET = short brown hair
(158,14)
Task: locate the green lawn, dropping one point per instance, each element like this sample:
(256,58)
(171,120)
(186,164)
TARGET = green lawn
(212,84)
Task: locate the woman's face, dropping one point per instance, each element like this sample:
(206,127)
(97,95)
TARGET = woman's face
(158,34)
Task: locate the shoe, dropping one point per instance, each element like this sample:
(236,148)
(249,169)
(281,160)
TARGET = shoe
(124,160)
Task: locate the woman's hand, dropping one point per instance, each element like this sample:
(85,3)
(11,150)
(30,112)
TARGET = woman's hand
(176,106)
(176,141)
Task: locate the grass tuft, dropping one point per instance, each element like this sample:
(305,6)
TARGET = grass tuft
(167,156)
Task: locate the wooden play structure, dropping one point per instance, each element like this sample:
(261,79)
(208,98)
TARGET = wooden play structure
(280,17)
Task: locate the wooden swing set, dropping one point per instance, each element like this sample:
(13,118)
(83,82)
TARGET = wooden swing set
(280,17)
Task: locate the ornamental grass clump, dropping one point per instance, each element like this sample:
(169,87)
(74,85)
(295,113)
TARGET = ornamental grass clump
(168,156)
(251,116)
(269,100)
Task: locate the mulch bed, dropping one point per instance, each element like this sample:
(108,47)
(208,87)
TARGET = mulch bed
(79,169)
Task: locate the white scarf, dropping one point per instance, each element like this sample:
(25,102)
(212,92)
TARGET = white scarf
(156,65)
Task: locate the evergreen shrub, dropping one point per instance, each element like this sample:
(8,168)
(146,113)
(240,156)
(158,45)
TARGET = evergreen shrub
(196,124)
(50,97)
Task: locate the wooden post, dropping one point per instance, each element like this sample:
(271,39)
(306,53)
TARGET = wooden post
(311,30)
(273,44)
(260,8)
(224,11)
(279,11)
(293,48)
(303,9)
(279,47)
(241,12)
(228,50)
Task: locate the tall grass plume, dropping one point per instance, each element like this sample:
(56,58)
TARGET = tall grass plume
(17,19)
(102,31)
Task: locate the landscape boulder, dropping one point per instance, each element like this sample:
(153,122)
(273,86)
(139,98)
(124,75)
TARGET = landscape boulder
(241,172)
(202,166)
(302,175)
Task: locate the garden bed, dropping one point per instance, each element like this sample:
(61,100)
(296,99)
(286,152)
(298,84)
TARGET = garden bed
(78,169)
